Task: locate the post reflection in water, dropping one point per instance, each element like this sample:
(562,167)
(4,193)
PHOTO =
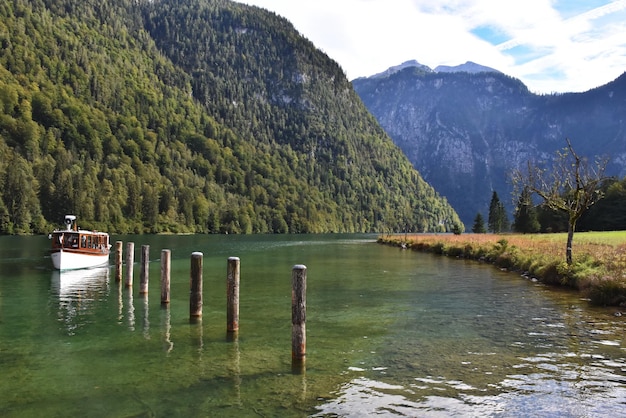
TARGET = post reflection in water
(120,303)
(234,357)
(166,326)
(146,317)
(196,334)
(131,308)
(124,292)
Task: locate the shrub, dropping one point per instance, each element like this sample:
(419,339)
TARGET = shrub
(606,291)
(438,248)
(455,251)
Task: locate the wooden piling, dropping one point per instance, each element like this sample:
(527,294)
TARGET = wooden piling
(166,256)
(195,292)
(130,260)
(118,261)
(232,294)
(145,269)
(298,314)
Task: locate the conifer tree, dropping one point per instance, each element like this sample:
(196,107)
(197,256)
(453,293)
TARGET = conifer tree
(497,221)
(479,224)
(526,219)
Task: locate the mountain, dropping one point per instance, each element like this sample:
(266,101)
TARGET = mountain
(468,67)
(407,64)
(466,131)
(202,116)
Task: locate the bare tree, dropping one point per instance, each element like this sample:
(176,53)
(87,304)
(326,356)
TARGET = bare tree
(571,186)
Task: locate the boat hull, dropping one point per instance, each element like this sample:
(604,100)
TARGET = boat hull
(68,259)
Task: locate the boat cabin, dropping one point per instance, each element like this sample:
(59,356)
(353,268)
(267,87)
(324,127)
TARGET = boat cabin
(73,238)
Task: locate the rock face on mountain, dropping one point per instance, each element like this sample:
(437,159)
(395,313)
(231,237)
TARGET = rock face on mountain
(466,131)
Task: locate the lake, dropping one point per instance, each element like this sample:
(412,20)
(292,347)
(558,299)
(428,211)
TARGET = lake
(389,333)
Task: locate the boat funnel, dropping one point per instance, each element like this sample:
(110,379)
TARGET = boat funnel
(69,220)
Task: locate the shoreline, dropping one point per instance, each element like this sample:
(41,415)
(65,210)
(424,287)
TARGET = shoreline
(598,271)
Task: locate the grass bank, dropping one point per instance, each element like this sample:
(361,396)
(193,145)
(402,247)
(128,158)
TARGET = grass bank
(598,270)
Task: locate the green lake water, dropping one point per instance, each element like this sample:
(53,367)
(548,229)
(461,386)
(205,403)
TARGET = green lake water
(390,333)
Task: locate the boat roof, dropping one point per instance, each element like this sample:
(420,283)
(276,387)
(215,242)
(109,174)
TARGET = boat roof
(80,231)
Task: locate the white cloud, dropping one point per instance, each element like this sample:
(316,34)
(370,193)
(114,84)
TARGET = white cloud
(532,40)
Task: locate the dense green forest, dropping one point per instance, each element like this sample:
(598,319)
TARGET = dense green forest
(202,116)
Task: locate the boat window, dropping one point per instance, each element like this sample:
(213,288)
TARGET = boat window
(71,240)
(83,241)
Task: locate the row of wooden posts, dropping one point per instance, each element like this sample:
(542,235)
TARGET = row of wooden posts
(298,290)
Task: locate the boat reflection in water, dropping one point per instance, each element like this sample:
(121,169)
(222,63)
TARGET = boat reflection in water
(78,290)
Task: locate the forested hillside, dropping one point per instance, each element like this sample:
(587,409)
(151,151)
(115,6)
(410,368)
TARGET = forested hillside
(198,116)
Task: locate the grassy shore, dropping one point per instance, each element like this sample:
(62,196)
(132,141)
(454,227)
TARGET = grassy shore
(598,270)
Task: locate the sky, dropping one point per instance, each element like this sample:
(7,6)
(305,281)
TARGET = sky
(553,46)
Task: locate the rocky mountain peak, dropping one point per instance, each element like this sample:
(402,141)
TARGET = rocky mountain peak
(468,67)
(396,68)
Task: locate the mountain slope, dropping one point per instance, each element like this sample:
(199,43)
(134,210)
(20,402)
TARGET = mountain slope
(466,132)
(190,116)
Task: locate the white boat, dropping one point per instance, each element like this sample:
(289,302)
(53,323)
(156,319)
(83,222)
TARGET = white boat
(74,248)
